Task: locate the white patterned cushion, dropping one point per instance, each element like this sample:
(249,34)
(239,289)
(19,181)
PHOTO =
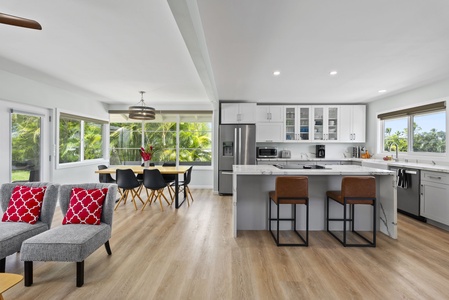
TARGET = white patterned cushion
(25,204)
(85,206)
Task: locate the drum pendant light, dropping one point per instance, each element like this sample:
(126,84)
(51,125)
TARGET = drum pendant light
(141,111)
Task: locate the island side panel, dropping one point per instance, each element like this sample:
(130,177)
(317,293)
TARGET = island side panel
(387,198)
(250,204)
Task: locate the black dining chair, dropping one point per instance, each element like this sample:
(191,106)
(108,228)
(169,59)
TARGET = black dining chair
(105,178)
(169,179)
(153,181)
(184,185)
(127,181)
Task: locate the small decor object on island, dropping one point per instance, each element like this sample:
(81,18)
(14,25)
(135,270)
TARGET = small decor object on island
(146,154)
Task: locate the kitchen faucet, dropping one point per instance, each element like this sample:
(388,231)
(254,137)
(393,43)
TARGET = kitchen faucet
(397,150)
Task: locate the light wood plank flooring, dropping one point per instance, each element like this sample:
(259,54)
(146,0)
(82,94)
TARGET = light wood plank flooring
(190,254)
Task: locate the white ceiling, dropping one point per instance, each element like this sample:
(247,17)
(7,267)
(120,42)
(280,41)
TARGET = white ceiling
(193,52)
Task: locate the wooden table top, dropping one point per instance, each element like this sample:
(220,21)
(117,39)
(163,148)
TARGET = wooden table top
(8,280)
(139,169)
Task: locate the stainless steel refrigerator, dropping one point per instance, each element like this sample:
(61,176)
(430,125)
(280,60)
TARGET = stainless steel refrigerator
(237,146)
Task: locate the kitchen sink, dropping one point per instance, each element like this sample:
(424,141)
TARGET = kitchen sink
(297,167)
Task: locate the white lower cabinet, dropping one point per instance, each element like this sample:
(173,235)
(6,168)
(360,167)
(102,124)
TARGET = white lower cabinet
(435,196)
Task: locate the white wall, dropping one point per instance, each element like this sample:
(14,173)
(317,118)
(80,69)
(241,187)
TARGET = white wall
(18,92)
(427,94)
(21,93)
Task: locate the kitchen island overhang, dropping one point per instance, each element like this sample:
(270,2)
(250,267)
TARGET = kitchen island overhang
(251,184)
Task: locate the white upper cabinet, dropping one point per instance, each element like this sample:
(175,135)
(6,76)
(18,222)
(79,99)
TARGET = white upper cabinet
(269,125)
(325,123)
(297,123)
(270,113)
(352,123)
(238,113)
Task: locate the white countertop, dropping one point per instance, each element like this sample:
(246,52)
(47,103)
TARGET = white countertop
(333,170)
(377,163)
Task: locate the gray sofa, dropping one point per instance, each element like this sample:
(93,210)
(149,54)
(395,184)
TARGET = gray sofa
(12,234)
(74,242)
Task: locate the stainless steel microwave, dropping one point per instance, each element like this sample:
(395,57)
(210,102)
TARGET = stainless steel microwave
(267,152)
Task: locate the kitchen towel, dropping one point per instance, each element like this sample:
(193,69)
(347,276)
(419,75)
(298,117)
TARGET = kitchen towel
(402,178)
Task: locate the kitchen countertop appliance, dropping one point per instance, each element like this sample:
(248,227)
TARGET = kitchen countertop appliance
(237,146)
(408,191)
(320,151)
(267,152)
(286,154)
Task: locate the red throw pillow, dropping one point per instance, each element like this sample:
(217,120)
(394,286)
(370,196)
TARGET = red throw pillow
(85,206)
(25,204)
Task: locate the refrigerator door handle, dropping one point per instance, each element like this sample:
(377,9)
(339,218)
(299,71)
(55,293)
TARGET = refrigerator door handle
(235,146)
(240,146)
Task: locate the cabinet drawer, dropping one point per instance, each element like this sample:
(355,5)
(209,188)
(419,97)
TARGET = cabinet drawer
(435,177)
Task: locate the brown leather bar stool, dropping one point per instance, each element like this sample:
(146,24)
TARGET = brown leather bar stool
(289,190)
(354,190)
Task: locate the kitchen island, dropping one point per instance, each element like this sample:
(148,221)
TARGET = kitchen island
(251,184)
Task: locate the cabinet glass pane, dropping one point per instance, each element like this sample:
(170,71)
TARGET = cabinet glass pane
(332,123)
(318,119)
(290,117)
(304,126)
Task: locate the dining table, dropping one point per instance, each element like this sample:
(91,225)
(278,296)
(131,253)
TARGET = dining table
(165,170)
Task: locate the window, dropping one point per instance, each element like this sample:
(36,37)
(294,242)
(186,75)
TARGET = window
(184,137)
(195,142)
(416,130)
(429,132)
(80,139)
(396,133)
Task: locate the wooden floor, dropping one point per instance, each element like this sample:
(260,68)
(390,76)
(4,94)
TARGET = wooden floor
(190,254)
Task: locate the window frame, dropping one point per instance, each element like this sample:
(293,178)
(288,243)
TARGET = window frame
(179,117)
(410,134)
(83,119)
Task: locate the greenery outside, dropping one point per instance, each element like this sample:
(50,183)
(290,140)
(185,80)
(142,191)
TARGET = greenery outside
(25,145)
(195,142)
(424,141)
(70,141)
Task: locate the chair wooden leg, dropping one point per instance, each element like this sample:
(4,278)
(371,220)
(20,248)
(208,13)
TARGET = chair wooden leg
(149,199)
(160,200)
(161,191)
(188,191)
(79,273)
(122,198)
(28,270)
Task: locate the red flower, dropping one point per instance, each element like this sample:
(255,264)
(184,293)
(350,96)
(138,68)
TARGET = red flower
(146,154)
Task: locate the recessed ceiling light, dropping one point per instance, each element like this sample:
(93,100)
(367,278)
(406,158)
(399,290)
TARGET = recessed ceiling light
(382,91)
(277,73)
(333,73)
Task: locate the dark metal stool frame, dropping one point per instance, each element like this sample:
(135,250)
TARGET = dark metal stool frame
(343,241)
(293,219)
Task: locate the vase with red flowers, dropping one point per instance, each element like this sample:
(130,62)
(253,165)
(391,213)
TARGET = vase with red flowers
(146,154)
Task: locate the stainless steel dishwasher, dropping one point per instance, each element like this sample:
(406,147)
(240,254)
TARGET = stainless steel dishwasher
(408,191)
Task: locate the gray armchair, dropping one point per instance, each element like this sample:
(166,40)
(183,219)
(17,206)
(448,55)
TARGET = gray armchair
(12,234)
(73,242)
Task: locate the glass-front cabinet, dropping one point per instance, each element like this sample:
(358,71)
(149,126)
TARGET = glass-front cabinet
(297,123)
(325,123)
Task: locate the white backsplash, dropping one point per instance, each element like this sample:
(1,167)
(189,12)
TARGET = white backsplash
(300,150)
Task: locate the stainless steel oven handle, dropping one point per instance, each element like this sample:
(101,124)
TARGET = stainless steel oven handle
(226,173)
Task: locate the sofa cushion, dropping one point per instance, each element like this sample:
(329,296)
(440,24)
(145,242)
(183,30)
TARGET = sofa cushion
(25,204)
(12,235)
(85,206)
(72,242)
